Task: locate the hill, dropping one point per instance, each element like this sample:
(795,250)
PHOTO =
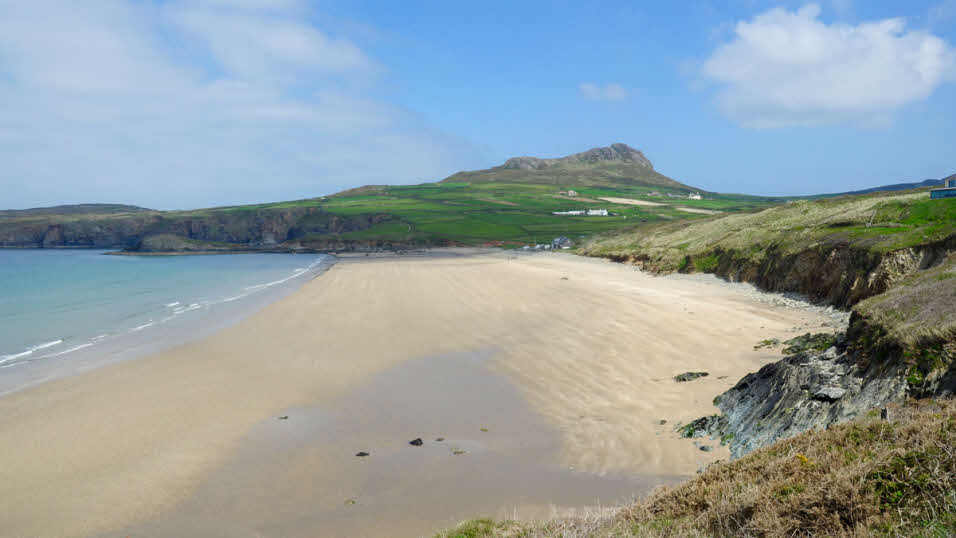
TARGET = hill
(926,183)
(615,165)
(499,212)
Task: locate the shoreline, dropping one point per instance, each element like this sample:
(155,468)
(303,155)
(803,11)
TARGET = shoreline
(114,346)
(590,346)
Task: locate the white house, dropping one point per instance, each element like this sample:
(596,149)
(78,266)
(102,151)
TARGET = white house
(695,196)
(582,213)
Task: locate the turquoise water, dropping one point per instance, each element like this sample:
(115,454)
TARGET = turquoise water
(58,303)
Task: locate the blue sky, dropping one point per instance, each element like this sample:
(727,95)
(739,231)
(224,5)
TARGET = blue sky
(179,104)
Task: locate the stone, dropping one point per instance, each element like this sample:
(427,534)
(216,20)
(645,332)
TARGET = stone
(690,376)
(706,448)
(662,422)
(439,439)
(416,442)
(283,417)
(830,354)
(829,394)
(361,454)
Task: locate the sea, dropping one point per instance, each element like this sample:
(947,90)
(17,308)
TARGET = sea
(63,311)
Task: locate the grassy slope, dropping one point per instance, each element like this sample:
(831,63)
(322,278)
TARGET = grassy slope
(866,477)
(919,311)
(878,222)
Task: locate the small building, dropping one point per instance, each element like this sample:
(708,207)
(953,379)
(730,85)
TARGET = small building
(582,213)
(695,196)
(572,193)
(948,190)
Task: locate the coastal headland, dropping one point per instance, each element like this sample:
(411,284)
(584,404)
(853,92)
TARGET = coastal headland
(543,366)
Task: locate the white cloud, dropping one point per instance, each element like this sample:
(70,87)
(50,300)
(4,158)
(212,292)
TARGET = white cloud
(788,68)
(609,92)
(181,104)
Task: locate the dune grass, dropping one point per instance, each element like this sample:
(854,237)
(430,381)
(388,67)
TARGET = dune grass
(862,478)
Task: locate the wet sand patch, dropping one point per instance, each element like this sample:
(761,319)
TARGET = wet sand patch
(300,476)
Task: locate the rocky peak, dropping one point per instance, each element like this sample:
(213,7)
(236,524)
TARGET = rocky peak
(614,152)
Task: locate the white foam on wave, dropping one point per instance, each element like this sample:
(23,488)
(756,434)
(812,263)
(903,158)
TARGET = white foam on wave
(143,326)
(170,305)
(70,350)
(295,274)
(29,351)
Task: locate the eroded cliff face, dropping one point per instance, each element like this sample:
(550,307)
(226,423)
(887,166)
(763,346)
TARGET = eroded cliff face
(837,275)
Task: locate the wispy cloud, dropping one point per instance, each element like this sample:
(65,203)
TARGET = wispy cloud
(186,103)
(786,68)
(608,92)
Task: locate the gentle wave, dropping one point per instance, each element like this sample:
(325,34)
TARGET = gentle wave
(29,351)
(176,307)
(143,326)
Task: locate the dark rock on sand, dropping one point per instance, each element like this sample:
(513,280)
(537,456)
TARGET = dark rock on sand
(283,417)
(690,376)
(361,454)
(711,426)
(416,442)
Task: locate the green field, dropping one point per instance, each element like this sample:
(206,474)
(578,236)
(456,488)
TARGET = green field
(506,213)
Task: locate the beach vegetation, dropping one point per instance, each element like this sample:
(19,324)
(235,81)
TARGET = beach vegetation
(865,477)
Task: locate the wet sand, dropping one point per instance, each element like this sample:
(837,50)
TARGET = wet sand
(300,476)
(567,362)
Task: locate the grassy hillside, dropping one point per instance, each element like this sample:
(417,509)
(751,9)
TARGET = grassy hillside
(866,477)
(880,222)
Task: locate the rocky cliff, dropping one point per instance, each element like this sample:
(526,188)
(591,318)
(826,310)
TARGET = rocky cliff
(814,390)
(224,229)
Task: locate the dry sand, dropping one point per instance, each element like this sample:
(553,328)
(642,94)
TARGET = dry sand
(631,201)
(698,210)
(590,345)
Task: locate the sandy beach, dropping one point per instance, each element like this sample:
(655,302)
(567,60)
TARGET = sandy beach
(545,375)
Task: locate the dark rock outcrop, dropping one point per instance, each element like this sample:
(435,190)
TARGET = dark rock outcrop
(815,390)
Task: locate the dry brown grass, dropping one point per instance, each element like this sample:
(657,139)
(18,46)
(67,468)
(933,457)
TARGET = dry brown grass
(919,309)
(863,478)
